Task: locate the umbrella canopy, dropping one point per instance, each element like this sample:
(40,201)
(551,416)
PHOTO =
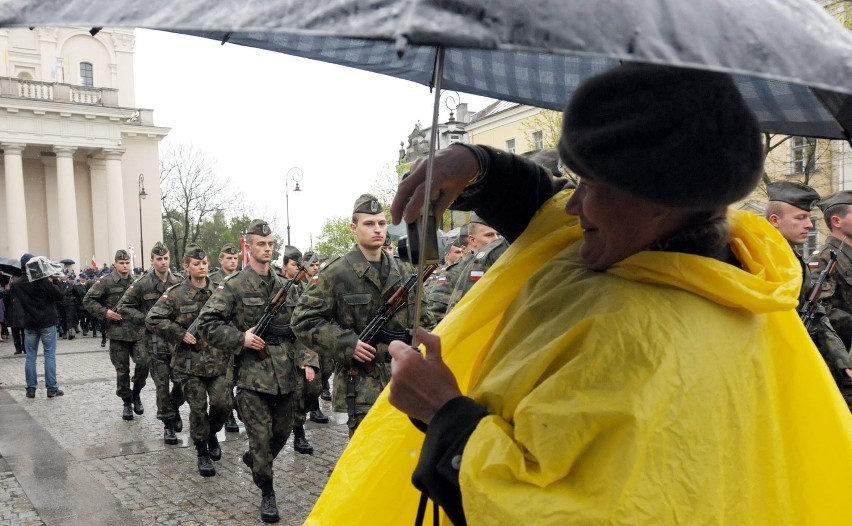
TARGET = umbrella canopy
(10,266)
(67,261)
(790,59)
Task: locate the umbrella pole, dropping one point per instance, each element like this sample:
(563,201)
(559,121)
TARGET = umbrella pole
(427,201)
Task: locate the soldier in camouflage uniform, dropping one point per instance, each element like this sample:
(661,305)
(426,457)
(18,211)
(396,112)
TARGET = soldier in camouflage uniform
(348,293)
(200,368)
(442,287)
(134,306)
(267,366)
(485,245)
(326,361)
(307,392)
(836,292)
(228,260)
(124,338)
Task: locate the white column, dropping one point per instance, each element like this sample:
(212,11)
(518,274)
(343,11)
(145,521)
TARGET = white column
(115,200)
(100,223)
(69,241)
(16,208)
(54,232)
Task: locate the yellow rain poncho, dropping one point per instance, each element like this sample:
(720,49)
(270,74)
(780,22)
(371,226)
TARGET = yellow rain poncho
(670,389)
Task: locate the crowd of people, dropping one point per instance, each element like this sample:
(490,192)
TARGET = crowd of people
(627,369)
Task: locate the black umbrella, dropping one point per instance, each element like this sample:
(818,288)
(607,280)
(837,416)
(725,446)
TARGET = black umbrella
(10,266)
(67,261)
(790,58)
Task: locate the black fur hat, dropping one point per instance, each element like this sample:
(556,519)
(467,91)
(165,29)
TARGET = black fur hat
(677,137)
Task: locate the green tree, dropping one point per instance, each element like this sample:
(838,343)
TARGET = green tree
(336,238)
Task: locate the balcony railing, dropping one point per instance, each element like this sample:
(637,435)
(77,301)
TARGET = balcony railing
(58,92)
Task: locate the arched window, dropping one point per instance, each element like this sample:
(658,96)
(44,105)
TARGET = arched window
(87,77)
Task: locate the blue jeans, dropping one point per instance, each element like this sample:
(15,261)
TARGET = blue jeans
(48,341)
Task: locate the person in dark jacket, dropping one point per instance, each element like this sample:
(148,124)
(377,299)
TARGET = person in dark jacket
(38,300)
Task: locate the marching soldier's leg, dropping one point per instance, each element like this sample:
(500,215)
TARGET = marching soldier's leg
(119,355)
(195,390)
(300,442)
(141,367)
(217,392)
(165,410)
(257,417)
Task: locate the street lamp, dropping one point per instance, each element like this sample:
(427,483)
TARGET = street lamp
(294,173)
(142,195)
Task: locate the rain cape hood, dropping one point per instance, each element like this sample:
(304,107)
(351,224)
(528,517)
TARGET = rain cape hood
(590,424)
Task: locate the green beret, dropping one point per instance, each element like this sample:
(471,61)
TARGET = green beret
(159,249)
(291,252)
(194,251)
(367,204)
(259,227)
(121,255)
(840,198)
(228,248)
(797,194)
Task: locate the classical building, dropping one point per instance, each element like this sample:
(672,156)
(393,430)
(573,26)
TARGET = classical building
(77,152)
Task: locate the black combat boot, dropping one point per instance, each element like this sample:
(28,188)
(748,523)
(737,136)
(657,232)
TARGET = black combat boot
(268,508)
(326,393)
(231,425)
(138,408)
(127,413)
(300,443)
(177,423)
(213,447)
(205,465)
(169,434)
(318,416)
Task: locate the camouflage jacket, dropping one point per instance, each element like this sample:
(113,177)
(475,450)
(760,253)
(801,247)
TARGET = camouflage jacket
(348,293)
(138,300)
(218,277)
(442,289)
(474,270)
(104,295)
(829,344)
(836,292)
(237,306)
(172,315)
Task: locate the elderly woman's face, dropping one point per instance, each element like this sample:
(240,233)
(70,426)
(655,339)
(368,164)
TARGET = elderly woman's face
(615,224)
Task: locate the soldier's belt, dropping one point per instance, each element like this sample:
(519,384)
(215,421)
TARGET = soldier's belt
(277,334)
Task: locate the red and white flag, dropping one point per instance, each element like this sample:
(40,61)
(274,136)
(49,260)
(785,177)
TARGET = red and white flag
(93,262)
(476,274)
(245,252)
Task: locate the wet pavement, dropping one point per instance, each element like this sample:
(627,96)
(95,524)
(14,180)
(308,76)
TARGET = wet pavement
(73,460)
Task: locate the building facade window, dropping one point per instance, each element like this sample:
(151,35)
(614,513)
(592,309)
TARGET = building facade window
(802,155)
(87,77)
(454,138)
(510,145)
(537,140)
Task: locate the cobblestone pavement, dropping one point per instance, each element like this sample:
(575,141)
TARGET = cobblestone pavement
(125,465)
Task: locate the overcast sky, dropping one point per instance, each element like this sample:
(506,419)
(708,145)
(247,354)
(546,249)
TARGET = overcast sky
(259,113)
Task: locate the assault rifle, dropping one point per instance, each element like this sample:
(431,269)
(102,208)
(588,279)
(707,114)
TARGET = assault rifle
(277,302)
(373,330)
(193,330)
(376,325)
(808,310)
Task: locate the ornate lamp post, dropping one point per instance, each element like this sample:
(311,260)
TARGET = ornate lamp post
(142,195)
(294,174)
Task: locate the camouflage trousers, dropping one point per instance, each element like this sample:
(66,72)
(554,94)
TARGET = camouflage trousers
(368,386)
(269,421)
(120,354)
(168,401)
(197,390)
(307,396)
